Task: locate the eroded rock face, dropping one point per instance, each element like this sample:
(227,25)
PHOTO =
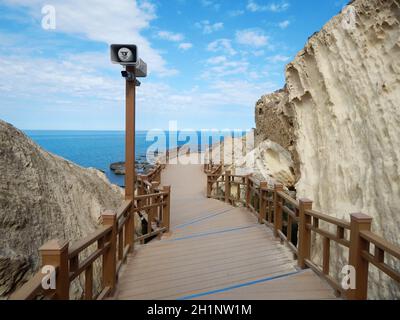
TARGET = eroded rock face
(43,197)
(342,94)
(275,122)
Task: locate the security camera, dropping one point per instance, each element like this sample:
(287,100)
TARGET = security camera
(127,55)
(141,69)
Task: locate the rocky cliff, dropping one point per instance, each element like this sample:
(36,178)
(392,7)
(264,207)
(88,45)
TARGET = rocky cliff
(42,197)
(339,117)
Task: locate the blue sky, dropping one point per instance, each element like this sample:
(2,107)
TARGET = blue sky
(209,60)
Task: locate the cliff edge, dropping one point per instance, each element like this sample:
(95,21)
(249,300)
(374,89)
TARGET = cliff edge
(339,117)
(43,197)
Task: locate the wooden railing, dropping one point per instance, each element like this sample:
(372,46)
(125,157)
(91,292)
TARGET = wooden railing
(214,179)
(294,222)
(108,246)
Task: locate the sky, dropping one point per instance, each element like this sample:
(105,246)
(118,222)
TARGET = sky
(209,61)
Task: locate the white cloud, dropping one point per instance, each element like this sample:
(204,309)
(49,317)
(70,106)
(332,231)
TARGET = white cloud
(228,68)
(278,58)
(118,21)
(210,3)
(170,36)
(216,60)
(221,45)
(63,82)
(77,75)
(258,53)
(208,27)
(84,75)
(284,24)
(236,13)
(185,46)
(253,6)
(278,7)
(237,92)
(254,38)
(221,66)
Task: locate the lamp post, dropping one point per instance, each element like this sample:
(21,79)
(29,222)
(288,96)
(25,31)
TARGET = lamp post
(127,56)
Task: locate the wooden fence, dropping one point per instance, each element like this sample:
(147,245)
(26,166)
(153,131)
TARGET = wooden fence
(295,222)
(109,245)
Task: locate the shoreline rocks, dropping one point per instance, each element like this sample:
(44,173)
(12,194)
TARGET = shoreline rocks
(141,164)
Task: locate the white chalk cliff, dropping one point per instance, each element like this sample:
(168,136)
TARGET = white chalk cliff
(339,117)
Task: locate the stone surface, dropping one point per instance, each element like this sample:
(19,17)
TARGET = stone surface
(268,161)
(43,197)
(339,117)
(275,122)
(142,167)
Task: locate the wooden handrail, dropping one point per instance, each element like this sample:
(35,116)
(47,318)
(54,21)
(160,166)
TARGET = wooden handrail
(381,243)
(123,210)
(288,198)
(32,289)
(278,210)
(89,261)
(115,239)
(84,243)
(324,217)
(150,206)
(381,248)
(150,196)
(254,180)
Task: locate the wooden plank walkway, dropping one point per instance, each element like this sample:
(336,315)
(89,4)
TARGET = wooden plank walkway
(214,251)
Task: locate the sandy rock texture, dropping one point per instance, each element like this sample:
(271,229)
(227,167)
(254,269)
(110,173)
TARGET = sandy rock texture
(268,161)
(275,122)
(43,197)
(339,117)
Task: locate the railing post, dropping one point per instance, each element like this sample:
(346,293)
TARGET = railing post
(167,208)
(158,175)
(129,237)
(209,186)
(304,233)
(248,191)
(262,216)
(278,209)
(227,180)
(140,189)
(109,259)
(152,212)
(359,222)
(55,253)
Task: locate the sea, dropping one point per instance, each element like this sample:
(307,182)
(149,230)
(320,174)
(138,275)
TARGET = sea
(98,149)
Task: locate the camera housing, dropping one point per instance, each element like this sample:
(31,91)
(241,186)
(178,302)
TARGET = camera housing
(141,69)
(129,51)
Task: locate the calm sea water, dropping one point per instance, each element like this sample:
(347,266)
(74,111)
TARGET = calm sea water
(98,149)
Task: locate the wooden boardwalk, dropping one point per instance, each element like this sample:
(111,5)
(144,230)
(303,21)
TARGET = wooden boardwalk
(214,251)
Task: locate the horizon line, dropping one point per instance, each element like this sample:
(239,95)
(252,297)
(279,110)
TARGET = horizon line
(139,130)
